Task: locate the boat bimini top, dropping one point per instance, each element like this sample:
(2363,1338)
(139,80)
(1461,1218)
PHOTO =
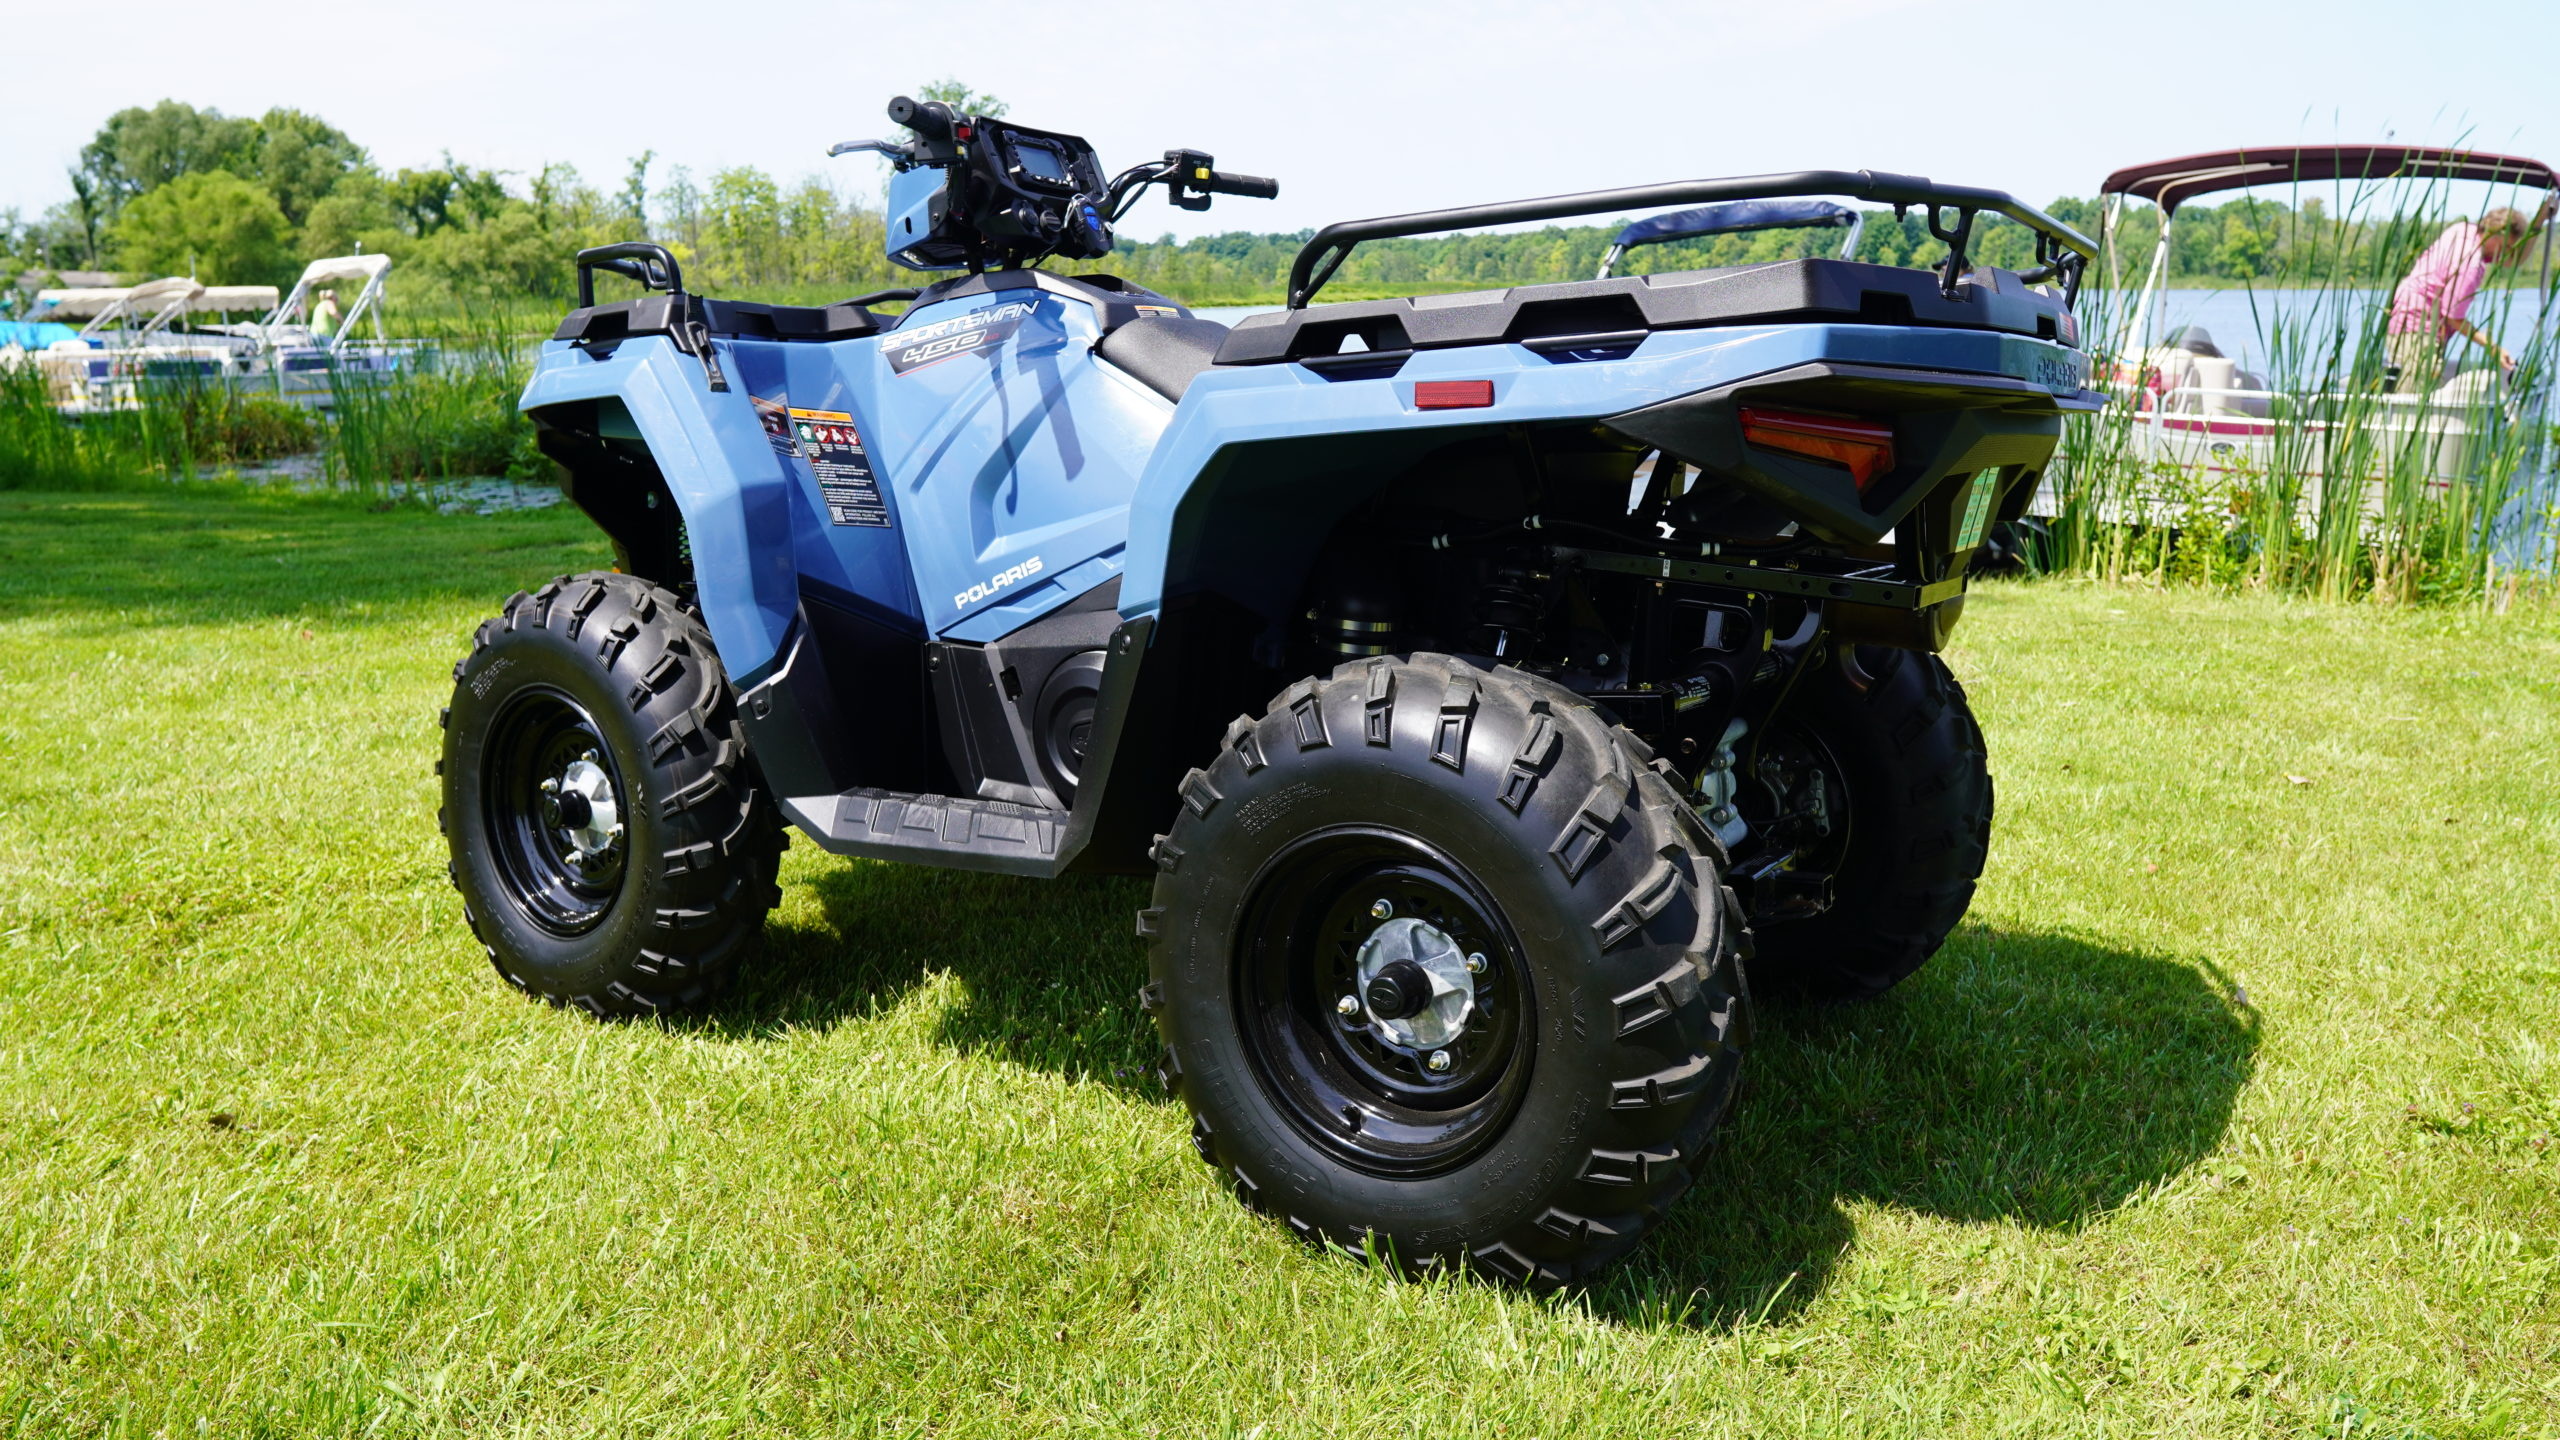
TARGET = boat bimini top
(290,322)
(1734,216)
(2172,183)
(149,308)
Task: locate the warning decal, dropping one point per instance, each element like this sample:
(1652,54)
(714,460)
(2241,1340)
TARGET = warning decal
(834,448)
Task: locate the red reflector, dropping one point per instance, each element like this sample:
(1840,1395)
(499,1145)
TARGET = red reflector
(1862,445)
(1451,394)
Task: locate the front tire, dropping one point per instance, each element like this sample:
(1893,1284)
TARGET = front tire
(1569,1025)
(612,841)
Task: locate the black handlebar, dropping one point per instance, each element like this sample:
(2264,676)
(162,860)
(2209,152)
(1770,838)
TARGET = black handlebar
(929,118)
(639,260)
(1332,245)
(1227,182)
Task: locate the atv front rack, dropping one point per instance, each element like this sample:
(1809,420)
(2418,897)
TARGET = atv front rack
(2061,251)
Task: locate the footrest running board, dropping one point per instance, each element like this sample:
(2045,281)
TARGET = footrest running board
(934,830)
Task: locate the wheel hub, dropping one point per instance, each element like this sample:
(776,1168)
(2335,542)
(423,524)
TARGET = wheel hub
(557,823)
(580,803)
(1414,985)
(1349,917)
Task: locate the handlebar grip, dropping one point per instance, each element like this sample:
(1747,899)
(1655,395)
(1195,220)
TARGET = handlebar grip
(929,118)
(1227,182)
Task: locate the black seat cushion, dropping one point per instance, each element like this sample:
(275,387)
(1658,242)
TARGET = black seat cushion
(1164,351)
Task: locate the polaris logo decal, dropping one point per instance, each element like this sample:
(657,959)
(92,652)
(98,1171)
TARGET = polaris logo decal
(979,330)
(996,582)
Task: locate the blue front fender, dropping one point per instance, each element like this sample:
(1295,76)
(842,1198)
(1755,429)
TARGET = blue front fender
(720,469)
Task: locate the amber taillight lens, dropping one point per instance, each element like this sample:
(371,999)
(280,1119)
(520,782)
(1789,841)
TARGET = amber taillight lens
(1864,446)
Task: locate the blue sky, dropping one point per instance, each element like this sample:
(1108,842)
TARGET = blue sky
(1358,108)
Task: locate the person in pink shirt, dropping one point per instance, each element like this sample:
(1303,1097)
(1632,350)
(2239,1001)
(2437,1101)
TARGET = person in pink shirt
(2434,303)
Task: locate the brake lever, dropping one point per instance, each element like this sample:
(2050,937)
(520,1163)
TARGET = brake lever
(891,148)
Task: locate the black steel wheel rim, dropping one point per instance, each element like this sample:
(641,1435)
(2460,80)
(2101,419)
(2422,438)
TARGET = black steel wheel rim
(1375,1104)
(539,735)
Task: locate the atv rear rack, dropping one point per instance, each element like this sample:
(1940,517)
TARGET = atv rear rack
(2060,250)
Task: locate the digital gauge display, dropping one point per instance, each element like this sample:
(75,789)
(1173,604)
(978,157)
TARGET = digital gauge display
(1041,163)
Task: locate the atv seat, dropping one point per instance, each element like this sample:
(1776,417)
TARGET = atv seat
(1164,352)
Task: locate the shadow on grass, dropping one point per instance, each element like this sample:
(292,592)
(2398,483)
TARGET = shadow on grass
(2023,1078)
(1049,969)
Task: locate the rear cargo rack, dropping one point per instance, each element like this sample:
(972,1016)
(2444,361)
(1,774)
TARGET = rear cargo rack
(2060,250)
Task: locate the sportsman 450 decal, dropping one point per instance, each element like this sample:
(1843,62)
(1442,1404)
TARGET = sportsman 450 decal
(908,350)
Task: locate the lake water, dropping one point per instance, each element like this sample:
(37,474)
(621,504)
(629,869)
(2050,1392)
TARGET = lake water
(2240,320)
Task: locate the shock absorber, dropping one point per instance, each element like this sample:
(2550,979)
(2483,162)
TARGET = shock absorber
(1351,628)
(1354,614)
(1510,608)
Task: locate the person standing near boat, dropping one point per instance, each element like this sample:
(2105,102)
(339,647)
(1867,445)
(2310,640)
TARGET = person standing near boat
(2434,303)
(324,314)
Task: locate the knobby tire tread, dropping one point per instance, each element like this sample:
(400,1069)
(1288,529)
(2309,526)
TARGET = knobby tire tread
(719,842)
(1659,958)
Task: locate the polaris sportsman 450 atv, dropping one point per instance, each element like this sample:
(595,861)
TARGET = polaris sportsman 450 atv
(1480,677)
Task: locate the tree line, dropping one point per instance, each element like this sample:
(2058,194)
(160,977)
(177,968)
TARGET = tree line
(177,189)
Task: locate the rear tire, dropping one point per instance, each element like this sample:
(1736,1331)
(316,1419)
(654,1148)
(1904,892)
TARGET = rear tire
(1494,817)
(613,844)
(1904,744)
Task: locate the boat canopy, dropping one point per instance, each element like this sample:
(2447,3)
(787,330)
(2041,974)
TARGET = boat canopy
(151,294)
(2171,183)
(224,299)
(79,301)
(343,270)
(289,323)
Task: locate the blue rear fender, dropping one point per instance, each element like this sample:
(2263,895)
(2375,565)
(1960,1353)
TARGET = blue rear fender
(1262,462)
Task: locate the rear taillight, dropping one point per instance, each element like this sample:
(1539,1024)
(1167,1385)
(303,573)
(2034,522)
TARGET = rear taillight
(1864,446)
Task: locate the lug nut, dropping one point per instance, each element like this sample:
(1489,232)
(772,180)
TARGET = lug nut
(1381,910)
(1475,964)
(550,787)
(577,857)
(1439,1061)
(1347,1007)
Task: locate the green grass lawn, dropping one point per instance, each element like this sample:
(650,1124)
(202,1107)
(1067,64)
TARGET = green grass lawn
(2230,1111)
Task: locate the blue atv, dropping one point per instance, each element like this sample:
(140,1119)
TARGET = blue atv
(1482,678)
